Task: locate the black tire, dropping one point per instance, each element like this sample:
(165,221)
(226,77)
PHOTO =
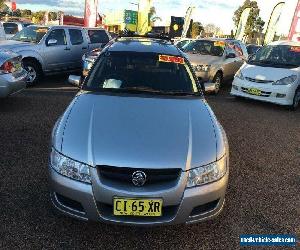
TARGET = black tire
(296,100)
(34,72)
(218,79)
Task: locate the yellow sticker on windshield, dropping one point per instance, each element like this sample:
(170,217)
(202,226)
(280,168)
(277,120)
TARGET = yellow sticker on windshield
(171,59)
(295,49)
(219,43)
(42,30)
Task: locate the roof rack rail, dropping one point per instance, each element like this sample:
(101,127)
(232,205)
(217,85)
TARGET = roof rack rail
(147,35)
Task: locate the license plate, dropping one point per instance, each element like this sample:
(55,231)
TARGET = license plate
(253,91)
(137,207)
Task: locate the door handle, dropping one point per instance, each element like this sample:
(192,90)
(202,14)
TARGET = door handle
(67,48)
(84,47)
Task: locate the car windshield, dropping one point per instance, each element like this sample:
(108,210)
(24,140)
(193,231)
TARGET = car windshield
(282,56)
(142,73)
(204,47)
(31,34)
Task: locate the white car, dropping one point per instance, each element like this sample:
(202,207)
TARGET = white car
(271,75)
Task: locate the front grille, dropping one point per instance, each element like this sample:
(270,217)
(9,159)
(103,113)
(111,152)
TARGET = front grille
(257,80)
(263,93)
(124,175)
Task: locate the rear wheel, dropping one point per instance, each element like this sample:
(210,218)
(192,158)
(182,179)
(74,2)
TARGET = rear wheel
(296,100)
(218,79)
(34,72)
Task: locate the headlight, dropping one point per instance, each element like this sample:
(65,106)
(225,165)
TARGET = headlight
(206,174)
(239,75)
(69,168)
(286,81)
(204,68)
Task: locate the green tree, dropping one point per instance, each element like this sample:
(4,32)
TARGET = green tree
(254,23)
(25,13)
(38,16)
(197,28)
(52,16)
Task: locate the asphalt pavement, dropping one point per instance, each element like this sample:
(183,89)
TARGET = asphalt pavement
(263,194)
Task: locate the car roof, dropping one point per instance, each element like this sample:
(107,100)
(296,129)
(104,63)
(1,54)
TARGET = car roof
(285,42)
(217,39)
(57,26)
(146,45)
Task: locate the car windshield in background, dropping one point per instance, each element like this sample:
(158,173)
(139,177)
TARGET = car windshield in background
(31,34)
(142,73)
(203,47)
(10,28)
(281,56)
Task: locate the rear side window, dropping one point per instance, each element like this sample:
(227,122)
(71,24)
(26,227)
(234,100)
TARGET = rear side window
(59,35)
(98,36)
(10,28)
(76,36)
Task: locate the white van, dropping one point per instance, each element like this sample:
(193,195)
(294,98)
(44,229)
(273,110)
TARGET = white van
(271,75)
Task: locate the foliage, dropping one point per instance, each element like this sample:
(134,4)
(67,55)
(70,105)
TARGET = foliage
(38,16)
(254,22)
(197,28)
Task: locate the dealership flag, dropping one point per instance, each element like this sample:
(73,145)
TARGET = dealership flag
(90,14)
(273,23)
(242,24)
(295,27)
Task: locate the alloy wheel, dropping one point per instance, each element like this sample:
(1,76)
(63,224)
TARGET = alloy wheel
(31,74)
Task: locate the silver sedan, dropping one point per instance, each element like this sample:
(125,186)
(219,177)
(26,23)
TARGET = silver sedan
(139,144)
(12,75)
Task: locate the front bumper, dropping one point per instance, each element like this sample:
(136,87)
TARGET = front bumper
(11,84)
(94,202)
(277,94)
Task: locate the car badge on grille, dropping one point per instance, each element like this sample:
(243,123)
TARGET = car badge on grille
(139,178)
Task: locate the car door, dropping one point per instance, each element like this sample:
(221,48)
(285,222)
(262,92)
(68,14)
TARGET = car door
(98,38)
(57,55)
(229,64)
(240,56)
(79,46)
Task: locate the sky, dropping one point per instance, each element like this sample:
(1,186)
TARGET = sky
(218,12)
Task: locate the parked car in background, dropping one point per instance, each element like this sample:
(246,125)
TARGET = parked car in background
(53,49)
(11,28)
(271,75)
(215,60)
(139,144)
(2,33)
(182,42)
(252,49)
(12,75)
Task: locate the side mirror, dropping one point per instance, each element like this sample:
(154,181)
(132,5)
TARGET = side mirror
(75,80)
(51,42)
(210,87)
(230,55)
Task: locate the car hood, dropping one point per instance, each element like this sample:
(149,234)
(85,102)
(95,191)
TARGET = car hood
(139,132)
(14,45)
(5,55)
(267,73)
(197,59)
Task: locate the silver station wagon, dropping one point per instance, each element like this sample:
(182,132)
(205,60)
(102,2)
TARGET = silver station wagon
(139,144)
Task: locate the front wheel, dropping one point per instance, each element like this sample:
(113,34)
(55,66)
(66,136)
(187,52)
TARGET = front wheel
(296,100)
(218,81)
(34,72)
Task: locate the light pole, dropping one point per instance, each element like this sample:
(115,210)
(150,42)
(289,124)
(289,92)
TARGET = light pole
(138,10)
